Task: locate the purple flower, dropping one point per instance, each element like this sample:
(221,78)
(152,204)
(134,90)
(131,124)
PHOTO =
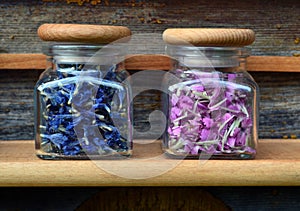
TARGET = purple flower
(250,150)
(235,107)
(229,96)
(212,110)
(202,106)
(176,131)
(208,122)
(195,150)
(185,102)
(174,99)
(188,146)
(175,112)
(241,139)
(210,150)
(204,134)
(199,88)
(246,123)
(236,131)
(227,117)
(231,142)
(231,76)
(196,121)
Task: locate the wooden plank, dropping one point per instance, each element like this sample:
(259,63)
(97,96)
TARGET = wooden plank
(22,61)
(279,104)
(154,62)
(16,103)
(277,164)
(147,62)
(273,64)
(276,24)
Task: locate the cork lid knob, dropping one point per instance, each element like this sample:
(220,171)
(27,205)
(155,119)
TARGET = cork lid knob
(100,34)
(217,37)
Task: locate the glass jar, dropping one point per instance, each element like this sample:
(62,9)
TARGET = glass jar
(211,104)
(82,104)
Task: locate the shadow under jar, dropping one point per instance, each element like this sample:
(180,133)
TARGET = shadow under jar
(82,104)
(211,103)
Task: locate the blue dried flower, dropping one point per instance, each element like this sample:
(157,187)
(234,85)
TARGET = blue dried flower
(57,139)
(82,97)
(71,149)
(60,120)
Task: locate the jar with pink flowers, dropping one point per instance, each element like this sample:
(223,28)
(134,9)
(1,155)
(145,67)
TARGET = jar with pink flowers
(211,102)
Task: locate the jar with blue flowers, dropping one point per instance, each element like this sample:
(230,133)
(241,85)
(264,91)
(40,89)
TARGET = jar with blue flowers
(82,100)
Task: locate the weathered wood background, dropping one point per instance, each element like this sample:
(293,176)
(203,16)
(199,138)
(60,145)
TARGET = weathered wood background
(276,24)
(277,27)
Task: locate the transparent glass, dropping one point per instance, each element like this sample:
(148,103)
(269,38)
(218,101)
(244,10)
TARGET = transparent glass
(82,104)
(211,104)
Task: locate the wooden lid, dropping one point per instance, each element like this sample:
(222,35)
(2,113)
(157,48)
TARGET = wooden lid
(101,34)
(209,37)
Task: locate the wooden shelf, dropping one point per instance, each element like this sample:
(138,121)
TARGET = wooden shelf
(154,62)
(277,164)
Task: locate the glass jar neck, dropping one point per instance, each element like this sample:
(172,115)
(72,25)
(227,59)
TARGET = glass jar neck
(225,59)
(80,55)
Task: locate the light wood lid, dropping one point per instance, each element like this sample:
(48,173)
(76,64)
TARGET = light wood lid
(101,34)
(209,36)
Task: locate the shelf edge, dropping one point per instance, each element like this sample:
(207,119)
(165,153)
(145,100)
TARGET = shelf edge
(153,62)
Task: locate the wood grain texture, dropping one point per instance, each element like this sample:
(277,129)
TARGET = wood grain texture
(209,37)
(279,110)
(153,62)
(22,61)
(277,164)
(275,22)
(16,103)
(85,33)
(147,62)
(273,64)
(154,198)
